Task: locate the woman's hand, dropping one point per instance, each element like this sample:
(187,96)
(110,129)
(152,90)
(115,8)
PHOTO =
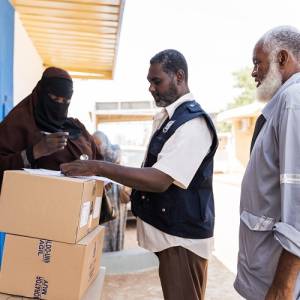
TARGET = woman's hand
(125,194)
(50,143)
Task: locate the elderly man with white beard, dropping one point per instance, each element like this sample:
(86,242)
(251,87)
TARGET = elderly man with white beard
(269,250)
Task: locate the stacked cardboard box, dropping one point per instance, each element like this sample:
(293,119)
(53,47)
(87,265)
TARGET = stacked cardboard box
(51,243)
(93,292)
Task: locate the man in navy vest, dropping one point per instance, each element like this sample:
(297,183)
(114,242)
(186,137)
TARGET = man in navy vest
(172,194)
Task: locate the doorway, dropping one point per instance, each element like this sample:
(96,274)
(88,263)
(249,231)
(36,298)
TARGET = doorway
(6,57)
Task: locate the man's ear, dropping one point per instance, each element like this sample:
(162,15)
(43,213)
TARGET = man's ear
(283,57)
(180,76)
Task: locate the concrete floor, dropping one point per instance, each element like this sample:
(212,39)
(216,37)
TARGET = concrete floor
(222,267)
(146,285)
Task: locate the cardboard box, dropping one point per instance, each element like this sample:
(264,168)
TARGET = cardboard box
(45,269)
(61,209)
(94,292)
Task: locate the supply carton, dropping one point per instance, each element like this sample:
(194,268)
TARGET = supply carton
(61,209)
(45,269)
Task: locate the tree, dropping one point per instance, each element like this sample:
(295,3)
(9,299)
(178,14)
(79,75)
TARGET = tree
(246,84)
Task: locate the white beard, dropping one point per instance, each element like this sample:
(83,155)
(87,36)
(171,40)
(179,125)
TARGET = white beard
(271,83)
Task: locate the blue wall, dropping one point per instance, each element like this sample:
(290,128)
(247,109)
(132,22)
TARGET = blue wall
(6,57)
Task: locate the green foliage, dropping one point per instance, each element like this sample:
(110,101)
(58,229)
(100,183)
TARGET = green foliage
(246,84)
(223,127)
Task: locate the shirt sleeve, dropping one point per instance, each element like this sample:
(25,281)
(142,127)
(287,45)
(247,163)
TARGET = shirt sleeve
(184,151)
(287,231)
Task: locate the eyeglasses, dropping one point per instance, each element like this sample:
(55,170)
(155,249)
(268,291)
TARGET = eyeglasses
(59,99)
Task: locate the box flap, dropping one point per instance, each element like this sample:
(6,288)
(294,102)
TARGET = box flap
(87,239)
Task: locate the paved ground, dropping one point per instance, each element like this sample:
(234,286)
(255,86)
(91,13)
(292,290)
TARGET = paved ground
(146,285)
(227,196)
(222,267)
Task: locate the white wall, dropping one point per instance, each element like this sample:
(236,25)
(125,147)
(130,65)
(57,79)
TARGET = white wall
(28,66)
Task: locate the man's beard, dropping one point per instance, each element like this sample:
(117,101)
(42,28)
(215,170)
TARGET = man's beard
(271,83)
(163,100)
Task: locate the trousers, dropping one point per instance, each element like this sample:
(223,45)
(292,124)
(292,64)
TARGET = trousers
(183,274)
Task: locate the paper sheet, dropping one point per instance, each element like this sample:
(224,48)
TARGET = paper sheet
(47,172)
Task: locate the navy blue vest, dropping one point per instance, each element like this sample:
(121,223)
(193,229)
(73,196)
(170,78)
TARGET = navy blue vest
(187,213)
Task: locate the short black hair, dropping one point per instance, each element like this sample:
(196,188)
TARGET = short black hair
(171,61)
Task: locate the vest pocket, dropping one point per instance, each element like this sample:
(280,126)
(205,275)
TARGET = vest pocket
(160,209)
(189,208)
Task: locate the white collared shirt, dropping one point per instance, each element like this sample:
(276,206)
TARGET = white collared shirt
(180,158)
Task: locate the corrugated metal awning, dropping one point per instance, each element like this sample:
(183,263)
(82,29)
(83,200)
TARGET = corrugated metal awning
(80,36)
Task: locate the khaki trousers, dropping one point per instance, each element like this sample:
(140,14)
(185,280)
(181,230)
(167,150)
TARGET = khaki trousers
(182,273)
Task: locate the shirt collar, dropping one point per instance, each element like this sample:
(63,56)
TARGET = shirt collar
(170,109)
(267,111)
